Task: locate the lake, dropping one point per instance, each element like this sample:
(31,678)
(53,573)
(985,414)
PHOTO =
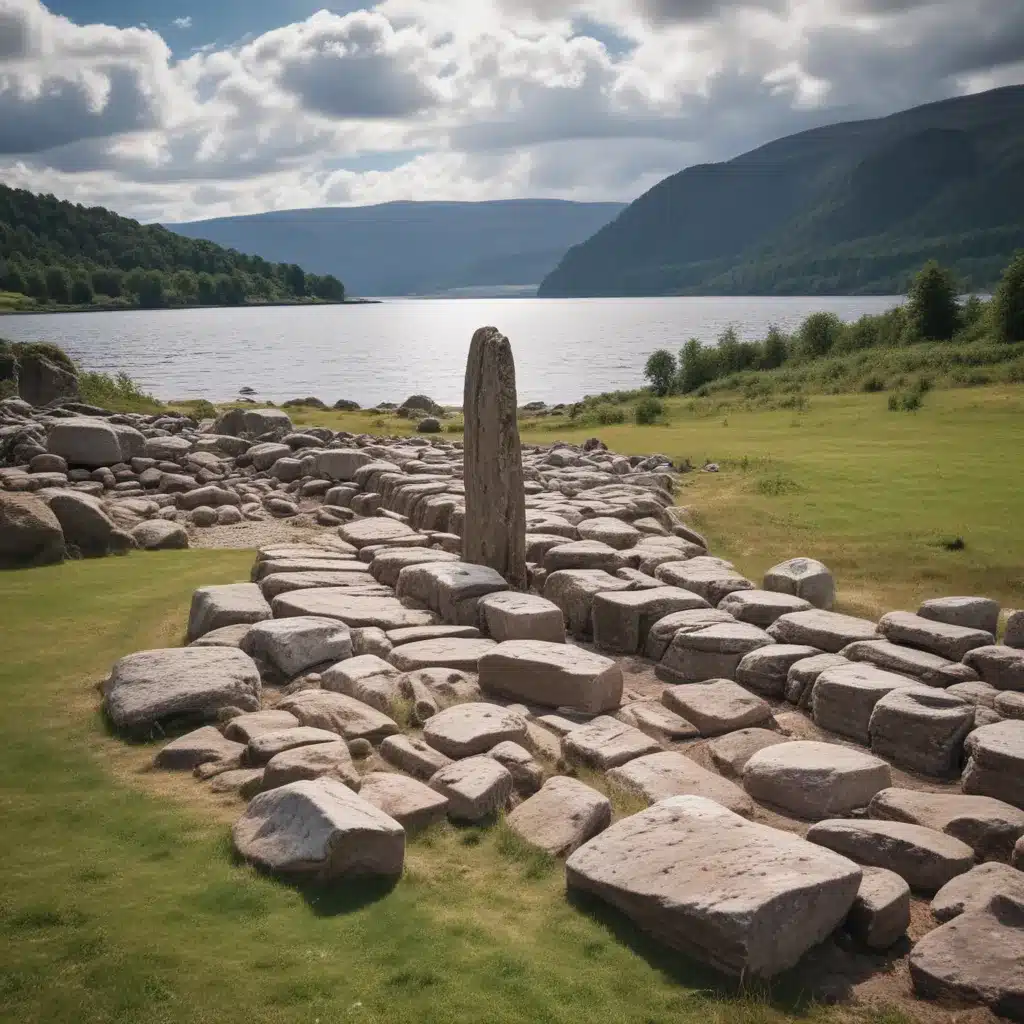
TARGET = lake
(564,348)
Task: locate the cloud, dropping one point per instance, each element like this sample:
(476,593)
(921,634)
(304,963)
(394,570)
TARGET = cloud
(185,22)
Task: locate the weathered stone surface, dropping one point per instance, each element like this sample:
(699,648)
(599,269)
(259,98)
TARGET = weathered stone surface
(86,442)
(510,615)
(412,755)
(766,670)
(844,697)
(574,590)
(341,463)
(201,746)
(160,535)
(1014,635)
(527,774)
(583,554)
(716,707)
(815,780)
(804,578)
(924,858)
(972,612)
(1017,857)
(447,685)
(921,730)
(292,646)
(266,745)
(467,729)
(451,589)
(337,712)
(613,532)
(476,788)
(253,422)
(412,804)
(494,530)
(943,639)
(975,888)
(349,576)
(560,818)
(657,721)
(273,566)
(744,898)
(998,665)
(29,532)
(700,575)
(990,827)
(354,610)
(945,963)
(386,565)
(804,674)
(880,914)
(329,759)
(85,525)
(226,605)
(414,634)
(449,652)
(605,743)
(155,686)
(243,782)
(921,665)
(828,631)
(667,773)
(731,752)
(995,762)
(554,675)
(761,607)
(322,829)
(243,728)
(366,678)
(713,652)
(621,620)
(664,630)
(365,532)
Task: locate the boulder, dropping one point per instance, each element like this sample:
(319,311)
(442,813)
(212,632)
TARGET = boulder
(995,762)
(657,721)
(804,578)
(477,788)
(924,858)
(605,743)
(612,532)
(412,755)
(551,674)
(467,729)
(880,914)
(323,760)
(713,582)
(1014,635)
(1009,704)
(562,816)
(828,631)
(226,605)
(731,752)
(989,826)
(803,674)
(243,728)
(972,612)
(766,670)
(338,713)
(451,589)
(621,620)
(160,535)
(716,707)
(975,888)
(941,638)
(412,804)
(527,774)
(366,678)
(319,828)
(389,562)
(226,636)
(266,745)
(908,661)
(29,532)
(713,652)
(86,442)
(85,525)
(921,730)
(201,746)
(191,682)
(814,780)
(350,578)
(510,615)
(998,665)
(746,899)
(663,632)
(761,607)
(253,423)
(368,532)
(447,652)
(574,590)
(42,380)
(354,609)
(341,463)
(665,774)
(584,554)
(293,646)
(243,782)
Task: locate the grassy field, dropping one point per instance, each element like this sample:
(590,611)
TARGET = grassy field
(121,901)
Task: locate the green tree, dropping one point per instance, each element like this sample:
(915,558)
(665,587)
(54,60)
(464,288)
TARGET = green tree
(819,334)
(12,279)
(207,289)
(186,285)
(697,366)
(660,371)
(152,290)
(81,290)
(1008,302)
(107,281)
(932,303)
(134,282)
(776,349)
(295,279)
(728,349)
(58,284)
(328,287)
(35,284)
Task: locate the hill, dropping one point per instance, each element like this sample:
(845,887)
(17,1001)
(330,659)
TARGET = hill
(62,253)
(849,208)
(408,248)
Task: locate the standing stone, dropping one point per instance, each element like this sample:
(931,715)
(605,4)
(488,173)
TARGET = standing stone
(494,533)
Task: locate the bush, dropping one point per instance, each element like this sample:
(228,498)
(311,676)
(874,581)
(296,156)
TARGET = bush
(648,411)
(873,383)
(204,410)
(1007,309)
(117,393)
(906,401)
(661,371)
(819,334)
(608,415)
(933,310)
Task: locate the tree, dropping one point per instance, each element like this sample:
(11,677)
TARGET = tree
(107,281)
(295,279)
(207,289)
(776,349)
(151,290)
(818,335)
(58,284)
(186,285)
(728,349)
(697,365)
(1008,302)
(661,371)
(327,287)
(35,284)
(12,279)
(81,290)
(932,303)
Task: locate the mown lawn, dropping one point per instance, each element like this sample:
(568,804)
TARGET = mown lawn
(121,901)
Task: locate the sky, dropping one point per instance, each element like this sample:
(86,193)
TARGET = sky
(171,110)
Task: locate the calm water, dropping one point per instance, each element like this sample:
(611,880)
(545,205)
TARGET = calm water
(564,348)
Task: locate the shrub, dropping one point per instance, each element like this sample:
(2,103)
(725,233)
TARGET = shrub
(661,371)
(698,366)
(1007,309)
(933,311)
(872,383)
(118,393)
(905,401)
(608,415)
(648,411)
(819,334)
(776,349)
(204,410)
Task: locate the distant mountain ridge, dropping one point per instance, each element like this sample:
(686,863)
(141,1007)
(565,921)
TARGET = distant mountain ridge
(411,248)
(854,207)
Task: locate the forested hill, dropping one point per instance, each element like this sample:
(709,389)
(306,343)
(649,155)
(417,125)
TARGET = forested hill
(417,248)
(60,252)
(849,208)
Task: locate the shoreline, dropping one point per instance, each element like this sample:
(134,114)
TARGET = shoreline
(97,308)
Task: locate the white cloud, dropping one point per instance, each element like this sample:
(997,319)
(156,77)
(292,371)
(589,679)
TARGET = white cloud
(465,99)
(185,22)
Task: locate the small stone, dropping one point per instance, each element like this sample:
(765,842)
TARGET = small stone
(880,914)
(414,756)
(658,722)
(199,747)
(804,578)
(312,761)
(761,607)
(245,727)
(828,631)
(999,665)
(513,616)
(731,752)
(766,670)
(266,745)
(527,774)
(412,804)
(213,607)
(921,730)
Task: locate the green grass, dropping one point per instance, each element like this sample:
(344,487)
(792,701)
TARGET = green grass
(121,900)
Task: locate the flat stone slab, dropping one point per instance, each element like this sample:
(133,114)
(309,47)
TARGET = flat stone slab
(205,745)
(319,829)
(356,580)
(924,858)
(803,674)
(477,788)
(227,605)
(574,590)
(362,533)
(312,761)
(413,755)
(387,564)
(663,632)
(613,532)
(179,682)
(413,634)
(527,774)
(659,776)
(975,888)
(583,554)
(921,730)
(336,603)
(713,652)
(606,743)
(845,696)
(451,589)
(814,780)
(243,782)
(293,646)
(510,615)
(562,816)
(711,582)
(447,652)
(761,607)
(766,670)
(828,631)
(268,744)
(467,729)
(746,899)
(243,728)
(339,713)
(880,914)
(999,666)
(551,674)
(806,578)
(731,752)
(941,638)
(226,636)
(995,762)
(657,721)
(284,566)
(972,612)
(922,665)
(622,619)
(990,827)
(716,707)
(366,678)
(412,804)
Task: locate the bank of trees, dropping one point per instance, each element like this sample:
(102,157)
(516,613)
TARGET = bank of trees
(62,253)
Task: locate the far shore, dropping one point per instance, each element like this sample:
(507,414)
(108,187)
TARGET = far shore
(95,307)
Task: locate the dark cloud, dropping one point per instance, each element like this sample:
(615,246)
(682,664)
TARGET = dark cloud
(14,35)
(670,11)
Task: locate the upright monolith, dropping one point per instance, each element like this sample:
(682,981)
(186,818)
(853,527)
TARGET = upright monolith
(494,530)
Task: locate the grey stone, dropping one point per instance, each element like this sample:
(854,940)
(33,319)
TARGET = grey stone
(337,712)
(613,532)
(574,590)
(510,615)
(716,707)
(921,730)
(350,578)
(975,888)
(245,727)
(387,564)
(995,762)
(999,665)
(527,774)
(226,636)
(766,670)
(805,578)
(412,755)
(477,788)
(945,640)
(880,914)
(366,678)
(731,752)
(84,523)
(663,631)
(928,668)
(85,442)
(468,729)
(451,589)
(263,747)
(352,609)
(1009,704)
(584,554)
(622,619)
(366,532)
(560,818)
(761,607)
(1014,635)
(201,746)
(658,722)
(713,652)
(329,759)
(828,631)
(804,674)
(711,581)
(29,532)
(665,774)
(606,743)
(972,612)
(292,646)
(412,804)
(227,605)
(447,652)
(160,535)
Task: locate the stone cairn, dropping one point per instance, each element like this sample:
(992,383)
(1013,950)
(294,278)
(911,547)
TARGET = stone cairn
(805,772)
